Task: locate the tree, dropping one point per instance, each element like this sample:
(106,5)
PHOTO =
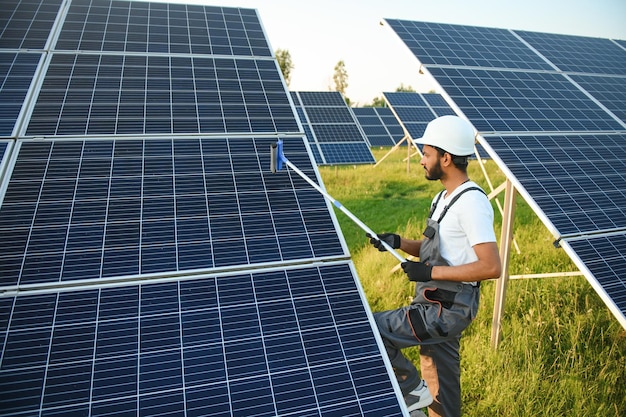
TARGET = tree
(377,102)
(340,77)
(286,64)
(406,89)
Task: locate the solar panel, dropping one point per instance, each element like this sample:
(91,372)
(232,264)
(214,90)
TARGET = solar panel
(289,341)
(96,94)
(438,104)
(609,91)
(512,101)
(379,125)
(578,53)
(26,24)
(322,99)
(458,45)
(308,133)
(577,181)
(16,73)
(150,262)
(331,128)
(391,123)
(414,111)
(342,153)
(603,257)
(129,27)
(547,126)
(103,208)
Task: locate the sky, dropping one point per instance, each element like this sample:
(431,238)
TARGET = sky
(320,33)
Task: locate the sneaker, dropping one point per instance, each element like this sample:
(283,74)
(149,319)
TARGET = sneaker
(418,398)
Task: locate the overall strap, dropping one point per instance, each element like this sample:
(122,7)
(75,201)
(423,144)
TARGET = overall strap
(434,206)
(456,197)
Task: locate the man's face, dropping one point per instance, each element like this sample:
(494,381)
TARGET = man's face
(431,161)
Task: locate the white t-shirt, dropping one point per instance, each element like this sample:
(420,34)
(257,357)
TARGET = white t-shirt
(468,222)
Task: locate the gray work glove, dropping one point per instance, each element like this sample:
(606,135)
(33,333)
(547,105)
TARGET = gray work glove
(391,239)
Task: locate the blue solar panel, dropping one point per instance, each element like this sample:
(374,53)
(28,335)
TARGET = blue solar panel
(604,257)
(150,262)
(405,99)
(435,100)
(331,127)
(444,44)
(609,91)
(96,94)
(129,27)
(27,24)
(391,123)
(512,101)
(340,132)
(321,99)
(16,73)
(265,343)
(379,125)
(339,153)
(102,208)
(308,131)
(578,53)
(416,110)
(577,181)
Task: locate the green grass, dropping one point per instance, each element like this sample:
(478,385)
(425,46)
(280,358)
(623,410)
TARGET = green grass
(562,353)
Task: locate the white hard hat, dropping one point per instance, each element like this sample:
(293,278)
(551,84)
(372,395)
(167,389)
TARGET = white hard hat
(450,133)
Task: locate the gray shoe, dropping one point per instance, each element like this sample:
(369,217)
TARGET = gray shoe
(419,398)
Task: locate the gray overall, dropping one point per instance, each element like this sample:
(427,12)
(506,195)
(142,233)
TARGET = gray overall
(435,319)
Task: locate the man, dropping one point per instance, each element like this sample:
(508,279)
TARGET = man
(457,251)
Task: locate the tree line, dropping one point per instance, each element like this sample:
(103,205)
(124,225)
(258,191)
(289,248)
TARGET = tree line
(340,78)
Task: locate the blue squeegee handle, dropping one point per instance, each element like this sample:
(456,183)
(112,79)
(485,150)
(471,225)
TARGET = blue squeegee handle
(343,209)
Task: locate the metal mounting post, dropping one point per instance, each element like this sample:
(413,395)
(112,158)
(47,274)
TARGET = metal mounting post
(505,251)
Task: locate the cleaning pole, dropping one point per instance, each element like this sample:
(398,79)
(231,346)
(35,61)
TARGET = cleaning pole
(277,159)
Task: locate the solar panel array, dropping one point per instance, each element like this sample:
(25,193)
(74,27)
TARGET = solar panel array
(333,131)
(282,342)
(93,94)
(416,110)
(550,111)
(505,101)
(379,124)
(107,208)
(150,262)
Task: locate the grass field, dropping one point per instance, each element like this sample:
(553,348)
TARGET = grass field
(562,353)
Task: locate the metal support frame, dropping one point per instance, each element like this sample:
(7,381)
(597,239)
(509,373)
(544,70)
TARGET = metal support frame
(494,191)
(409,144)
(505,252)
(396,146)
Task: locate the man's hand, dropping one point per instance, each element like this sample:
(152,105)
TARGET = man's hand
(391,239)
(417,271)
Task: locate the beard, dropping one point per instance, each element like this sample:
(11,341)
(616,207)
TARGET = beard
(435,173)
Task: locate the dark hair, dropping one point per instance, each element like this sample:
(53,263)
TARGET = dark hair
(460,162)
